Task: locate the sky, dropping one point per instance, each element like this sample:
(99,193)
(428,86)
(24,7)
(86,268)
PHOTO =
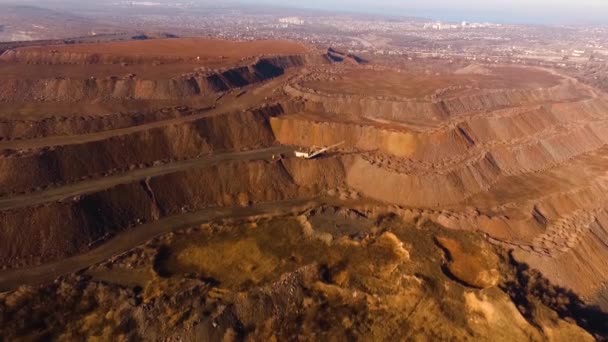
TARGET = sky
(506,11)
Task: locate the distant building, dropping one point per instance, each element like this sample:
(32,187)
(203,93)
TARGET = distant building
(292,21)
(578,53)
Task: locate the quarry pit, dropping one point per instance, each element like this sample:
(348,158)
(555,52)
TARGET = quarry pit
(158,181)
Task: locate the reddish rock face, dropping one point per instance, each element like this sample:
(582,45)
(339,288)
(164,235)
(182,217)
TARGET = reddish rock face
(156,183)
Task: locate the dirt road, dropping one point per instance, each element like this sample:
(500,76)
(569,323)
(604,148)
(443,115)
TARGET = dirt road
(123,242)
(89,186)
(12,279)
(230,103)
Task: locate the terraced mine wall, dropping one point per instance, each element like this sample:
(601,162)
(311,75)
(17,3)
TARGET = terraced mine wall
(434,145)
(496,99)
(57,57)
(22,172)
(428,190)
(456,182)
(404,109)
(71,227)
(306,132)
(75,225)
(72,125)
(523,159)
(363,106)
(194,84)
(443,166)
(577,259)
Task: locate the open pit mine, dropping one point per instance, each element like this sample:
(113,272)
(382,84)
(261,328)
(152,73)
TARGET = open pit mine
(196,189)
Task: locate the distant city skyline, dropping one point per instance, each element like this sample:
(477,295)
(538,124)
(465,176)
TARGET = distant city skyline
(504,11)
(498,11)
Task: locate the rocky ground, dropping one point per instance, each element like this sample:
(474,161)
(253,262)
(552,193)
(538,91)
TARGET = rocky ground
(328,273)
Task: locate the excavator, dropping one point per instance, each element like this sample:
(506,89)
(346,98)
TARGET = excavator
(307,155)
(313,154)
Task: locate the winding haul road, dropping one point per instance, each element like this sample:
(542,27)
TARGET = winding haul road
(125,241)
(229,103)
(12,279)
(93,185)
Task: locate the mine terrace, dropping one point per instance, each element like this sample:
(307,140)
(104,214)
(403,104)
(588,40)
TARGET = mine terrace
(262,185)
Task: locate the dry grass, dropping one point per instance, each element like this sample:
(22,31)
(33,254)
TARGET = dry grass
(231,263)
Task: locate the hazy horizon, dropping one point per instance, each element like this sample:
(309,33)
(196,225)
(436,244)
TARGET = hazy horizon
(501,11)
(515,11)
